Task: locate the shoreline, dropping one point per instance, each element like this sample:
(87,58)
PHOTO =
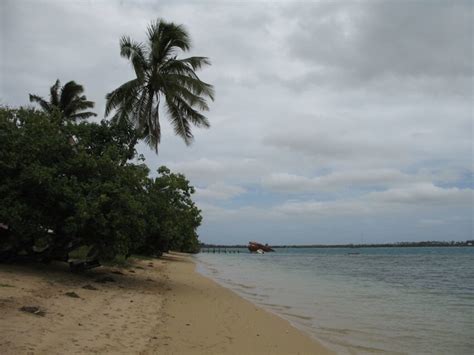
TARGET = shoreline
(270,308)
(151,306)
(222,322)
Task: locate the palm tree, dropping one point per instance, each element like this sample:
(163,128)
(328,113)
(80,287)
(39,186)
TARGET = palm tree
(67,100)
(161,77)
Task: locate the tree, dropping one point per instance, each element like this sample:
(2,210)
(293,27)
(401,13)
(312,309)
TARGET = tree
(161,77)
(67,100)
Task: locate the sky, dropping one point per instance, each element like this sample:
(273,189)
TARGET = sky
(334,121)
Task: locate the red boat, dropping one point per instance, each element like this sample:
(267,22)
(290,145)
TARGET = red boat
(255,247)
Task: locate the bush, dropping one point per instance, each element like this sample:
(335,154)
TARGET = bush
(64,186)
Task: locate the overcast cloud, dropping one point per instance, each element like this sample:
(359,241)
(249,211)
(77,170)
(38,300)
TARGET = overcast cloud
(334,121)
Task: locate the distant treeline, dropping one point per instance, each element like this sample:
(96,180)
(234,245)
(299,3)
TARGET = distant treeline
(380,245)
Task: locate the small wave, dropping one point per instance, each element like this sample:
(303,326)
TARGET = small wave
(240,284)
(345,331)
(297,316)
(277,305)
(253,294)
(244,286)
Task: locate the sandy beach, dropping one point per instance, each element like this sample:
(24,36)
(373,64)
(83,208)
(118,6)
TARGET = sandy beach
(151,306)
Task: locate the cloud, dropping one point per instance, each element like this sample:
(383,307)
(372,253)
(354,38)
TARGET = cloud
(363,41)
(401,199)
(356,179)
(285,182)
(394,136)
(219,191)
(207,171)
(423,194)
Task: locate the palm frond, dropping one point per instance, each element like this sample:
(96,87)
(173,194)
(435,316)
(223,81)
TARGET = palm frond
(68,93)
(196,62)
(180,124)
(82,115)
(42,102)
(136,53)
(190,114)
(174,66)
(120,95)
(191,98)
(77,104)
(54,93)
(196,86)
(165,39)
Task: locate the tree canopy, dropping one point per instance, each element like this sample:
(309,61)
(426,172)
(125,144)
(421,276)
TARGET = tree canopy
(66,186)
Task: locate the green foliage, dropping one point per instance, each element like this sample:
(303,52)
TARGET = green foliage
(173,216)
(68,187)
(161,77)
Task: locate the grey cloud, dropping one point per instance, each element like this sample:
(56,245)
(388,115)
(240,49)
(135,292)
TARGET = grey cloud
(219,191)
(424,194)
(342,180)
(210,171)
(394,199)
(405,199)
(374,38)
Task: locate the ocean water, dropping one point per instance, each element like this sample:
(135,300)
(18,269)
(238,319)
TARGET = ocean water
(381,300)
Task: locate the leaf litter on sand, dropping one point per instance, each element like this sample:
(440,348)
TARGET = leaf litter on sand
(33,310)
(103,280)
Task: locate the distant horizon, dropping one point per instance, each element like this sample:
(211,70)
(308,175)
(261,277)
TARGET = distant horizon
(403,243)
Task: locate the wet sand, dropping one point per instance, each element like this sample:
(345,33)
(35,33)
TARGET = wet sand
(152,306)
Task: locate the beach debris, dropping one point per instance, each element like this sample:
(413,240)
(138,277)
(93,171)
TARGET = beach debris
(72,294)
(82,265)
(104,279)
(188,324)
(6,285)
(33,310)
(132,271)
(89,287)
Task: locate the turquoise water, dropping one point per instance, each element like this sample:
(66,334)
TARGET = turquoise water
(396,300)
